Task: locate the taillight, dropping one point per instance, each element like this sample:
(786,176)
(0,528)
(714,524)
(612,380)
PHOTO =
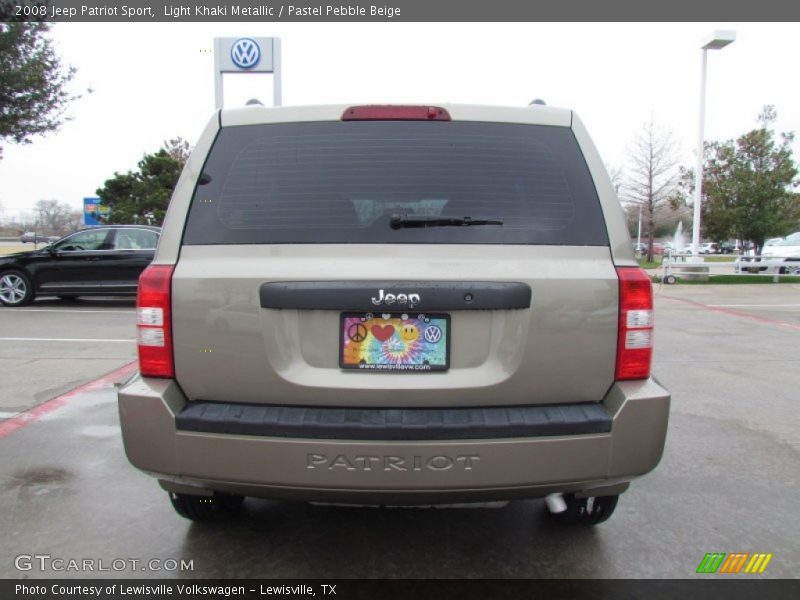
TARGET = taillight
(154,322)
(380,112)
(635,343)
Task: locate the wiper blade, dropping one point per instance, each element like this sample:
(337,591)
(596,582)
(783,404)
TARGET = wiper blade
(398,221)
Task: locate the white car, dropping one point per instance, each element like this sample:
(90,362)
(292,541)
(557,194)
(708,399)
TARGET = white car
(708,248)
(784,254)
(671,248)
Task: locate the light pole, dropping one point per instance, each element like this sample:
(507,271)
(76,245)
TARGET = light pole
(639,234)
(719,39)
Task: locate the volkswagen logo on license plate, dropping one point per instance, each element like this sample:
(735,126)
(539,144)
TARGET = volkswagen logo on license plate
(433,334)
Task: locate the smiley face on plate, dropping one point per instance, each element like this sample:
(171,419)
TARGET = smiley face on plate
(409,333)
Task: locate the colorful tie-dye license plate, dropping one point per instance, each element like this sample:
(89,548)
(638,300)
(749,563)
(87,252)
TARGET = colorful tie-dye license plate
(395,342)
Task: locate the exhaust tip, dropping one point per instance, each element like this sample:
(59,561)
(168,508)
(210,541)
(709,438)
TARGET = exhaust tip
(555,503)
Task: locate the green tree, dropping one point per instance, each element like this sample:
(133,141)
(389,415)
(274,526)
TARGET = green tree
(747,185)
(33,94)
(142,197)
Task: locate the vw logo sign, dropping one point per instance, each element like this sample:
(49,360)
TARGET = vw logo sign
(433,334)
(245,53)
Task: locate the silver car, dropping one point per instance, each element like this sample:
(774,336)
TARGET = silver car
(395,305)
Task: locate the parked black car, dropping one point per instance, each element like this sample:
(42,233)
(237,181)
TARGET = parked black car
(101,261)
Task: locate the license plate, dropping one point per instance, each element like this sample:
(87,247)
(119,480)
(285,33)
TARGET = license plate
(395,342)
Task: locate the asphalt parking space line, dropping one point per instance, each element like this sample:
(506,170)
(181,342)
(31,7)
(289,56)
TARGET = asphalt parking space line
(734,313)
(776,306)
(37,412)
(726,361)
(93,340)
(70,310)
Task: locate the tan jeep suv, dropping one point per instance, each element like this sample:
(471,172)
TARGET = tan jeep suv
(395,305)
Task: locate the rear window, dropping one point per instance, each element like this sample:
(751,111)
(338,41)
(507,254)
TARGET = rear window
(135,239)
(341,182)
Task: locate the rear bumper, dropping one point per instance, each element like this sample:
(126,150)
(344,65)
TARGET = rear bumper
(396,471)
(393,424)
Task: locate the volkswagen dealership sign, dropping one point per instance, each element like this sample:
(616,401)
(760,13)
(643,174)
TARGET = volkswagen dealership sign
(247,55)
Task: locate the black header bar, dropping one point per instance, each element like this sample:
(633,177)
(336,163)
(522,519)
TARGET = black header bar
(736,588)
(149,11)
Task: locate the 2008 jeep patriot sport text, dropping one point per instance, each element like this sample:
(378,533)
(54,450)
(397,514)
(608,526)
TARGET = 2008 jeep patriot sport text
(395,305)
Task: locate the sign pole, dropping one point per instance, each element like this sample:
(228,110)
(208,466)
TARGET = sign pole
(218,98)
(247,55)
(276,72)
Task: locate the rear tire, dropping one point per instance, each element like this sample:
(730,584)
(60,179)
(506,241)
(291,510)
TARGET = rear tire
(16,288)
(585,511)
(218,507)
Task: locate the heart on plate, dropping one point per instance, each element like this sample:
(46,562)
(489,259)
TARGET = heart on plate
(382,332)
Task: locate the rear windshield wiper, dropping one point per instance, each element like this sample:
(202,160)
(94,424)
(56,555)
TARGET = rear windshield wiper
(398,221)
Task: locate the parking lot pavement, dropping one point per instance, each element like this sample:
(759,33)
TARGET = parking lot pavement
(728,482)
(53,346)
(730,352)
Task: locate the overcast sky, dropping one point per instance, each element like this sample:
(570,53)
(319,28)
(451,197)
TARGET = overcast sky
(155,81)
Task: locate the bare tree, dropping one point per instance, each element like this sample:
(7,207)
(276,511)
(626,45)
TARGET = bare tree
(74,221)
(54,217)
(651,175)
(179,149)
